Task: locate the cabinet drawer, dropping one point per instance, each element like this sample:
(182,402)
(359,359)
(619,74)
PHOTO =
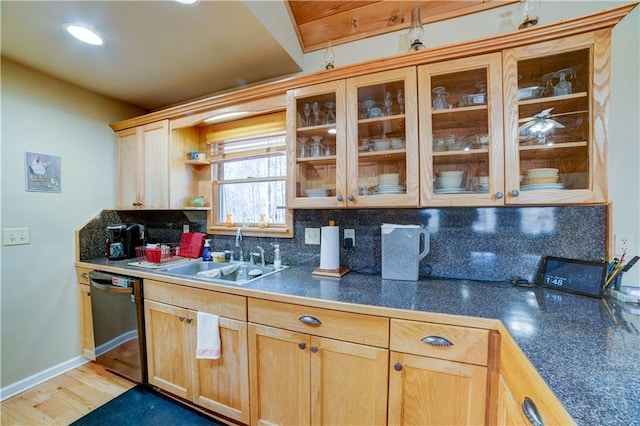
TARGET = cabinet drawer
(350,327)
(223,304)
(468,345)
(83,275)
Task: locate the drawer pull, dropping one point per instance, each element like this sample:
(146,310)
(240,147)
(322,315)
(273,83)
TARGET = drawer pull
(531,412)
(397,366)
(302,345)
(437,341)
(309,320)
(85,275)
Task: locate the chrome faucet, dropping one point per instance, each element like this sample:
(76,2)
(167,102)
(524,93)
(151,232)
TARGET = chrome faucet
(261,254)
(240,243)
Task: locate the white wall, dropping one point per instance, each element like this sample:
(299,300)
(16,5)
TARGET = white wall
(39,314)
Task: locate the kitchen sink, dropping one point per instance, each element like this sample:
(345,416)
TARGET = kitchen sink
(221,272)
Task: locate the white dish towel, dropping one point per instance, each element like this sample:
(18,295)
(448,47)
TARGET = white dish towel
(208,336)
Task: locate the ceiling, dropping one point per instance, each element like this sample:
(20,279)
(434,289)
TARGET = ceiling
(161,53)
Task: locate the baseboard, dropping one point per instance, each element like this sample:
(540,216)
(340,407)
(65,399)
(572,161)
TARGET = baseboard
(31,381)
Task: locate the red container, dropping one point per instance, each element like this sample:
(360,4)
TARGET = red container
(153,255)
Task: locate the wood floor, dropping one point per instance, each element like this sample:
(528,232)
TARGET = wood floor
(65,398)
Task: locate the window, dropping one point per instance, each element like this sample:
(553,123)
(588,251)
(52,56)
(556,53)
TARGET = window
(249,177)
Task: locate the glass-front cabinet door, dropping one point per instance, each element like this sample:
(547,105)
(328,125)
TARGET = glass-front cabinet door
(461,138)
(382,135)
(556,96)
(316,147)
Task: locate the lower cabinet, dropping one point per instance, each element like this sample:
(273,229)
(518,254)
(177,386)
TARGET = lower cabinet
(523,396)
(220,385)
(438,374)
(301,378)
(87,342)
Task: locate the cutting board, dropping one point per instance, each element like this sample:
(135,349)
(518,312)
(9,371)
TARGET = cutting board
(191,244)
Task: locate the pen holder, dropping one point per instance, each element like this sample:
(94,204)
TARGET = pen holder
(615,284)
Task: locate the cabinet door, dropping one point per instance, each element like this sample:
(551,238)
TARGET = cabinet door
(280,376)
(348,383)
(508,411)
(154,165)
(170,334)
(128,168)
(87,343)
(461,128)
(556,125)
(316,148)
(382,139)
(222,385)
(428,391)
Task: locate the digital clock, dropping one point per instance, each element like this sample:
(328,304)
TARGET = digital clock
(575,276)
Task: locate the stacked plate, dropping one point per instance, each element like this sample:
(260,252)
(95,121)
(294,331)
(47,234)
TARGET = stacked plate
(541,179)
(316,192)
(390,189)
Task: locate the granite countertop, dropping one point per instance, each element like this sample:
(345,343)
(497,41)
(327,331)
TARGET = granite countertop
(586,349)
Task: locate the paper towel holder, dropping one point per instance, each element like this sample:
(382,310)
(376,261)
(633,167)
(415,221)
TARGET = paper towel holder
(337,272)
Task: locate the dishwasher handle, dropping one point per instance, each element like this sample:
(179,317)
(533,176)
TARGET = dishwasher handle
(102,281)
(112,288)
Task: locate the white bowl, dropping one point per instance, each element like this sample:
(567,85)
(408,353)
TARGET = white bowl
(537,173)
(448,182)
(451,173)
(381,144)
(388,179)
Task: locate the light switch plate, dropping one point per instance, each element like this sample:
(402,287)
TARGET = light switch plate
(312,236)
(16,236)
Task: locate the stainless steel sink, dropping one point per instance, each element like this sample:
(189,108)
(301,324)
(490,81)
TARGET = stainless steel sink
(220,272)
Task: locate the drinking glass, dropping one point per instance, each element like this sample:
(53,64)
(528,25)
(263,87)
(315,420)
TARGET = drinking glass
(440,101)
(388,103)
(563,87)
(307,112)
(401,101)
(315,107)
(329,117)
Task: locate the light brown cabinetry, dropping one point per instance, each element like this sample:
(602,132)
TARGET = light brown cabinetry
(87,342)
(523,397)
(438,374)
(316,366)
(553,97)
(366,128)
(220,385)
(143,167)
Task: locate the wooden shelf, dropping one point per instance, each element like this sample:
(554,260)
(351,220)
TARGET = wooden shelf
(198,163)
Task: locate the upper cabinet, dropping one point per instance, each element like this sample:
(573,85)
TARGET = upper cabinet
(556,125)
(553,98)
(353,143)
(143,167)
(461,150)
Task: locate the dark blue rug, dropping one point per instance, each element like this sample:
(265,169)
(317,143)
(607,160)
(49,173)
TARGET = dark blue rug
(143,406)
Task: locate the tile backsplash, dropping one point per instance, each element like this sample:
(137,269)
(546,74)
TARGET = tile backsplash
(485,243)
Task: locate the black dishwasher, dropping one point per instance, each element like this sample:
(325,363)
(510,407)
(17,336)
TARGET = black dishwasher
(118,324)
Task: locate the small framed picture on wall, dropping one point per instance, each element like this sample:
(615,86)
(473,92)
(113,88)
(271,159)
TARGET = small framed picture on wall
(42,172)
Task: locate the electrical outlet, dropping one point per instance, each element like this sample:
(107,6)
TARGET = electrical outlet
(312,236)
(623,243)
(349,234)
(185,227)
(16,236)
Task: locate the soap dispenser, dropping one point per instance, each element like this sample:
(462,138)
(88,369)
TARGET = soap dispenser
(276,256)
(206,251)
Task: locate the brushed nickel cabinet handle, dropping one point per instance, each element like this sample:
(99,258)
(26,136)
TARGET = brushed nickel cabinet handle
(515,193)
(437,341)
(339,198)
(310,320)
(531,412)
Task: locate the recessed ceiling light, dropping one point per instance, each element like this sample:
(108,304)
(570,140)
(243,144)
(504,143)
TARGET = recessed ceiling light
(84,34)
(188,2)
(224,116)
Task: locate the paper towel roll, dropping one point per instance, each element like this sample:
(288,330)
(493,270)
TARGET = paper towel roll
(330,247)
